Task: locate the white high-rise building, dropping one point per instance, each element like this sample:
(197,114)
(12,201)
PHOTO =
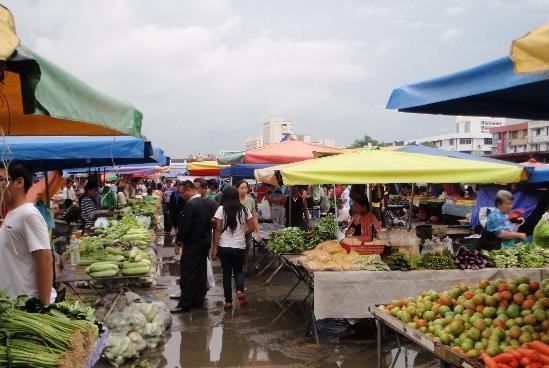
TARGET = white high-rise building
(472,136)
(252,143)
(275,129)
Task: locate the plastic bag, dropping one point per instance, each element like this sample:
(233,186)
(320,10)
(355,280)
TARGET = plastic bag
(210,282)
(264,209)
(118,323)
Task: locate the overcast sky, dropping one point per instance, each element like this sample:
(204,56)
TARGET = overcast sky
(206,74)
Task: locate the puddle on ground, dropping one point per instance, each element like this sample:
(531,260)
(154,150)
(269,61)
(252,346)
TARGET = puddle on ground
(264,334)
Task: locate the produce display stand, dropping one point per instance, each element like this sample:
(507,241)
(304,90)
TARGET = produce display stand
(447,357)
(71,274)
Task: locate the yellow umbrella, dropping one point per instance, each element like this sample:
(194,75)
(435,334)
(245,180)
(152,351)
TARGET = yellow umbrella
(530,54)
(377,166)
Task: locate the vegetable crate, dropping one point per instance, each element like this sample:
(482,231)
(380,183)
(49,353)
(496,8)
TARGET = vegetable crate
(363,248)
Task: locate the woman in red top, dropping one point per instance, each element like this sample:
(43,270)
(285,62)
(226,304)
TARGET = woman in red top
(361,222)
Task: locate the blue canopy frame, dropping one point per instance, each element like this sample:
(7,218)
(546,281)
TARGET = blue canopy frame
(490,89)
(415,148)
(57,153)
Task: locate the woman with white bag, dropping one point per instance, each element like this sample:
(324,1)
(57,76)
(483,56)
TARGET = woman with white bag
(232,222)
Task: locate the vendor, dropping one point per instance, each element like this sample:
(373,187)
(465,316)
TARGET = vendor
(362,220)
(498,224)
(88,206)
(26,264)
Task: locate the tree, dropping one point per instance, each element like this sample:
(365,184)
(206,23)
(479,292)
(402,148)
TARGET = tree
(365,141)
(426,144)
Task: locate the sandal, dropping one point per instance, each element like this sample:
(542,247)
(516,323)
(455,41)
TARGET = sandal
(241,298)
(228,306)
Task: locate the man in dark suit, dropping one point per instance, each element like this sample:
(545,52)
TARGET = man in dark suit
(195,237)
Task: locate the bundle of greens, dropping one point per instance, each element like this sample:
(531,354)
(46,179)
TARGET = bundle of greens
(287,240)
(323,229)
(60,335)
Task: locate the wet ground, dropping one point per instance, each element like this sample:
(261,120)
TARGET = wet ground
(264,333)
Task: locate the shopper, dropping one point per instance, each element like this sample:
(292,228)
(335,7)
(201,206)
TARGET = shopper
(201,186)
(249,202)
(176,206)
(363,220)
(194,237)
(277,201)
(167,191)
(296,210)
(121,198)
(232,222)
(69,195)
(26,264)
(88,206)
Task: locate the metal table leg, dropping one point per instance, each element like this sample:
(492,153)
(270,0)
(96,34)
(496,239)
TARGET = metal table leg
(69,285)
(379,328)
(291,291)
(266,267)
(274,273)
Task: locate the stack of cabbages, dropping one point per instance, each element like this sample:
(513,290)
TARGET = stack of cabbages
(138,327)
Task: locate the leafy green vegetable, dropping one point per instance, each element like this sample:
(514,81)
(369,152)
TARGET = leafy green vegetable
(541,233)
(287,240)
(323,229)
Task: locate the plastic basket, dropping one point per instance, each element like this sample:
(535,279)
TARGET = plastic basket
(363,248)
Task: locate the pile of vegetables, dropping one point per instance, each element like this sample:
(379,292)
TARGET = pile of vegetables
(441,261)
(530,256)
(287,240)
(484,319)
(504,258)
(60,335)
(142,208)
(138,327)
(541,232)
(128,263)
(398,261)
(368,262)
(127,229)
(323,230)
(532,355)
(471,259)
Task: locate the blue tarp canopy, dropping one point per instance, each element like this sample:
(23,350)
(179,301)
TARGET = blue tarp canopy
(159,157)
(58,153)
(491,89)
(540,175)
(414,148)
(525,199)
(242,171)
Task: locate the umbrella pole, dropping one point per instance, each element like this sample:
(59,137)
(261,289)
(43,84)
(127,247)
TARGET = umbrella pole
(335,202)
(411,206)
(46,181)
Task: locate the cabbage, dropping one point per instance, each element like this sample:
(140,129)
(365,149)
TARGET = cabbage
(541,233)
(137,341)
(118,323)
(118,349)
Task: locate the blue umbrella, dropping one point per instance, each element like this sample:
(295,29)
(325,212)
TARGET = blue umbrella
(491,89)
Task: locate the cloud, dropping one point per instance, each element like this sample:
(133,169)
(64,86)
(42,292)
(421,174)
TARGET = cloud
(206,74)
(450,34)
(455,10)
(370,10)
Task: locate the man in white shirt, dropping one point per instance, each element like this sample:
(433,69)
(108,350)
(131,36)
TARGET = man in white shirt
(69,195)
(26,263)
